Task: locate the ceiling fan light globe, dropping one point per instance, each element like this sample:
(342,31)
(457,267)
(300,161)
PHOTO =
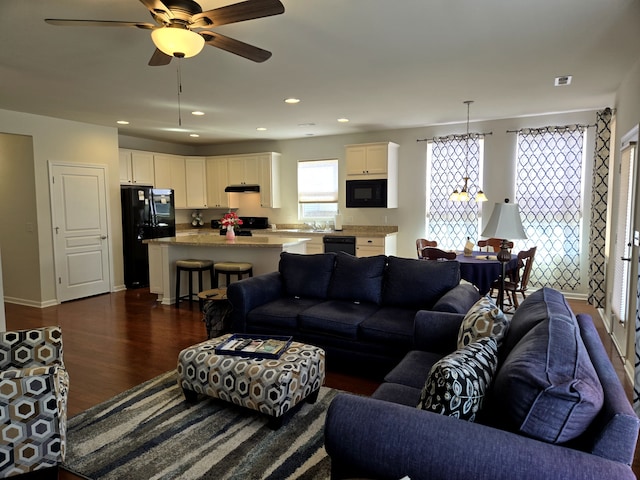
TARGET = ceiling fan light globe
(177,42)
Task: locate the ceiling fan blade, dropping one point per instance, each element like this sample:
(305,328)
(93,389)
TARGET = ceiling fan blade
(239,12)
(236,46)
(97,23)
(159,58)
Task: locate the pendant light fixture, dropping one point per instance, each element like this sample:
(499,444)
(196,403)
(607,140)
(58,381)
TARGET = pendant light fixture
(463,195)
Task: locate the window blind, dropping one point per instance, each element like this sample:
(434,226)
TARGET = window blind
(318,181)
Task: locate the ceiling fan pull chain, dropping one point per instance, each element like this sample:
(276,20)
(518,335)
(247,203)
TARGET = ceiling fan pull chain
(179,92)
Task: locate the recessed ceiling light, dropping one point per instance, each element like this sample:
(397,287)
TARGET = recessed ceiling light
(291,100)
(122,122)
(563,80)
(261,129)
(197,113)
(194,135)
(343,120)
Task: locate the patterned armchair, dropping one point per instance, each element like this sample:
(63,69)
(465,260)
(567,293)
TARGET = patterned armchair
(33,400)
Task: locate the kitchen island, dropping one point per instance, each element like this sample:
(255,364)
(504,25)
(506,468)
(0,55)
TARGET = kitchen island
(262,251)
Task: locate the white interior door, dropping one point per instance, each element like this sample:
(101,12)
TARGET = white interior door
(80,230)
(623,250)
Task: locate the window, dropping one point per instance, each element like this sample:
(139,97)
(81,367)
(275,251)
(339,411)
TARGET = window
(549,188)
(317,189)
(448,222)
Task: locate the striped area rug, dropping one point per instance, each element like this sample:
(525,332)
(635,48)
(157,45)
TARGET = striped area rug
(149,432)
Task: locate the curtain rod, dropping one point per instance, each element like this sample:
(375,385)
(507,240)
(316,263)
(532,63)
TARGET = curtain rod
(551,128)
(462,136)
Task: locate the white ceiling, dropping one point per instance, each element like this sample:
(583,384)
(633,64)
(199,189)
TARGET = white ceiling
(384,64)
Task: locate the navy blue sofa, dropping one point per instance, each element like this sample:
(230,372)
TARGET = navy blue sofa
(366,313)
(544,417)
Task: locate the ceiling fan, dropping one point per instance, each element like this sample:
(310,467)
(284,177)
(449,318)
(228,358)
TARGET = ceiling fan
(175,35)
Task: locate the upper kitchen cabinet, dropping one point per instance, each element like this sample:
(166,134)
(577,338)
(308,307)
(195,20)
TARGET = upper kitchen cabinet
(136,167)
(269,180)
(170,172)
(217,181)
(196,182)
(372,161)
(244,170)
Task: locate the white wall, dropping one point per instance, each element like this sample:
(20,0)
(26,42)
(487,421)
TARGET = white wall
(72,142)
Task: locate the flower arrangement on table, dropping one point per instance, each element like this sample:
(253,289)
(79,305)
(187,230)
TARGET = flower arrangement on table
(230,221)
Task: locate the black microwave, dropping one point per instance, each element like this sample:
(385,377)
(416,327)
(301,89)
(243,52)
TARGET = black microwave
(366,193)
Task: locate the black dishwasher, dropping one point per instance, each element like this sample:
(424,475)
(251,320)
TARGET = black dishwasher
(339,243)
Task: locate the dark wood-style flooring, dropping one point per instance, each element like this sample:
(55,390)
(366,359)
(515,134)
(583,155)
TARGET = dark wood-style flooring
(116,341)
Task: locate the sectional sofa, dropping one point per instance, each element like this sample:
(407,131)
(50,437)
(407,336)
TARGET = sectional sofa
(367,313)
(485,398)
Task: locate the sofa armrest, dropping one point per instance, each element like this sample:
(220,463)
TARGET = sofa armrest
(376,439)
(436,332)
(458,300)
(250,293)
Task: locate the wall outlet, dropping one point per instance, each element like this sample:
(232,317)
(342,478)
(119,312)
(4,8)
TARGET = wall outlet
(384,219)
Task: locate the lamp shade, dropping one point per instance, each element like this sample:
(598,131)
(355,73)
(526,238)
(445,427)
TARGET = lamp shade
(505,222)
(177,42)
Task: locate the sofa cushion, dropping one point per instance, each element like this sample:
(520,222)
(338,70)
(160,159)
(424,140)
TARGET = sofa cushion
(547,387)
(306,276)
(390,325)
(357,279)
(336,317)
(457,384)
(532,311)
(484,319)
(413,283)
(413,370)
(280,313)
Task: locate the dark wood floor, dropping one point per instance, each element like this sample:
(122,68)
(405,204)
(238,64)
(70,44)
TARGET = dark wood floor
(115,341)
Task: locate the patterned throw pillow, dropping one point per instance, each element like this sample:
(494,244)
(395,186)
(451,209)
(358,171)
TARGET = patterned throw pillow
(457,383)
(484,319)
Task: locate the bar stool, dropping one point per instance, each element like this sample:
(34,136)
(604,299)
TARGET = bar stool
(232,268)
(191,266)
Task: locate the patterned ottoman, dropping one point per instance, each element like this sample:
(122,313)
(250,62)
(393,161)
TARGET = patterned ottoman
(270,386)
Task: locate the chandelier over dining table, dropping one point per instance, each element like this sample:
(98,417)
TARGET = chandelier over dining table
(463,195)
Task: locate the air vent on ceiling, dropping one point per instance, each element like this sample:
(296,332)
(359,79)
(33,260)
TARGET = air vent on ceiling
(563,80)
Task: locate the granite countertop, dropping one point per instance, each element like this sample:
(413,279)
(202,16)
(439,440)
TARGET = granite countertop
(296,230)
(217,240)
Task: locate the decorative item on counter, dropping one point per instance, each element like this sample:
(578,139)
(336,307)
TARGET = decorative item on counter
(468,248)
(196,219)
(337,222)
(231,222)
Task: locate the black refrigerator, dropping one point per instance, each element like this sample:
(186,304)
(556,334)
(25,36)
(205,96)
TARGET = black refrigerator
(147,212)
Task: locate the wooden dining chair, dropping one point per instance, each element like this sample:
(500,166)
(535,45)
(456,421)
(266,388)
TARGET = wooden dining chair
(422,243)
(515,281)
(433,253)
(494,243)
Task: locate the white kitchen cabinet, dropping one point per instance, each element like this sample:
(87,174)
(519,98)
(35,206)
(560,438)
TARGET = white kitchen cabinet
(370,246)
(371,160)
(155,269)
(196,182)
(217,181)
(170,173)
(244,170)
(315,245)
(136,167)
(269,180)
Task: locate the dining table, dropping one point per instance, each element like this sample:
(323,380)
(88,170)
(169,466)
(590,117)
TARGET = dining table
(483,268)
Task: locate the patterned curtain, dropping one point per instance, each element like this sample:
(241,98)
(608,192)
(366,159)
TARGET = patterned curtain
(598,224)
(448,222)
(636,382)
(549,193)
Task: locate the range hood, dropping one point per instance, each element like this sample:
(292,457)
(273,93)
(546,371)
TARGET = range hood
(243,188)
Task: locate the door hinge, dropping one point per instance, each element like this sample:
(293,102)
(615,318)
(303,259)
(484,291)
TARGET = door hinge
(59,280)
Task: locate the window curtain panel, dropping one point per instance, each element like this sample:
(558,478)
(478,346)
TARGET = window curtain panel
(598,223)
